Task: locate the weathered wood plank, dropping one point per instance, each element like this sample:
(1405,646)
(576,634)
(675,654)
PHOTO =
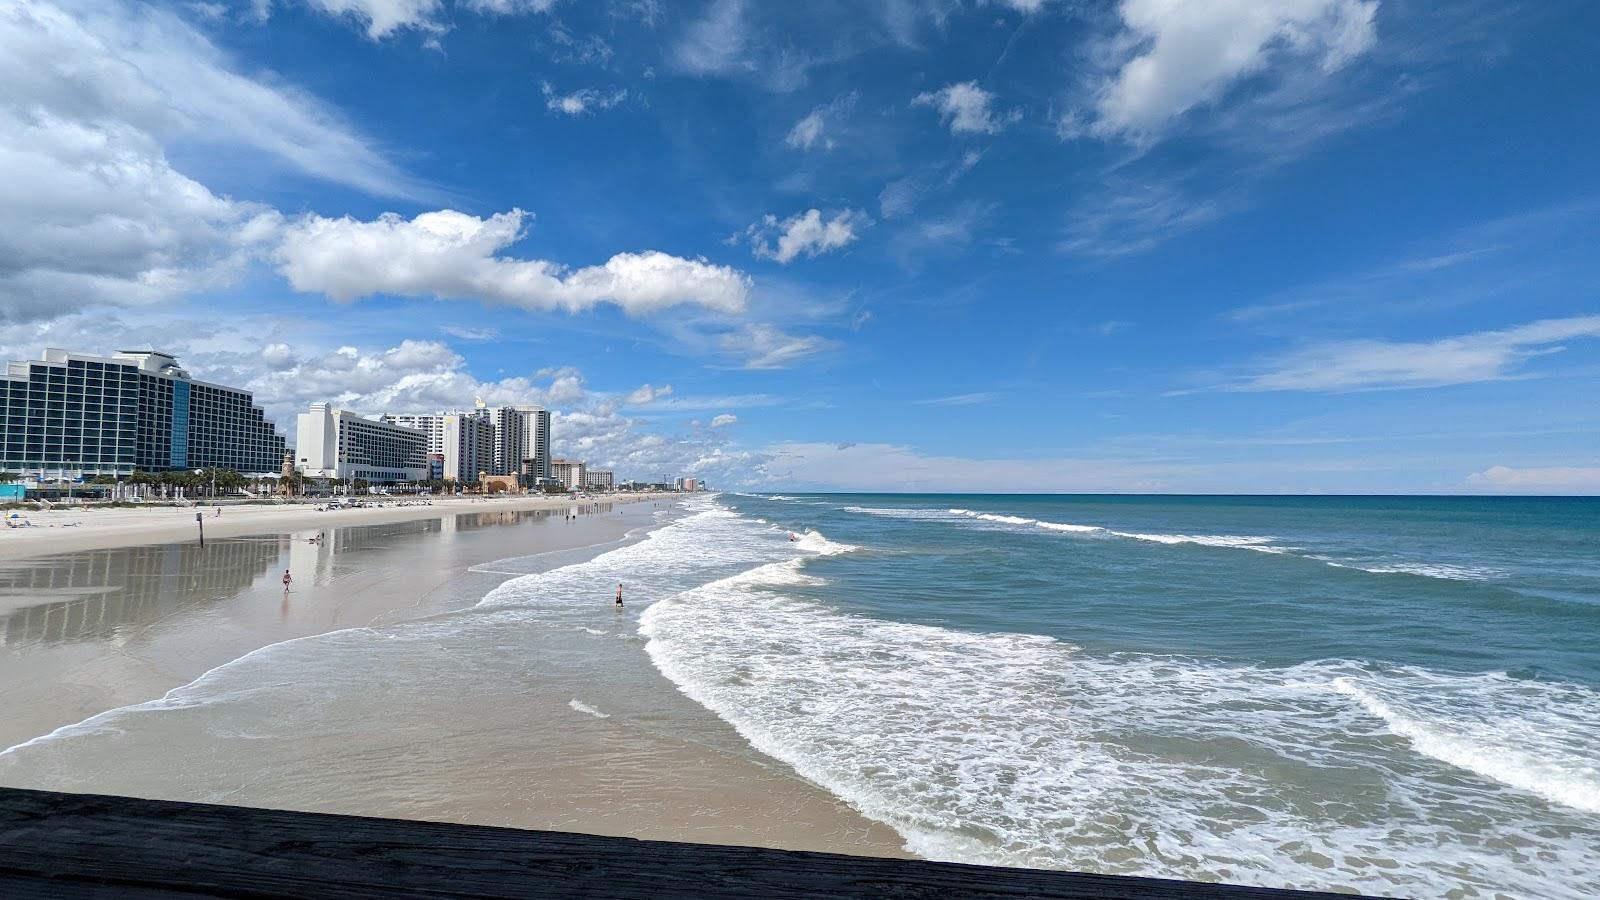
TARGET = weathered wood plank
(85,845)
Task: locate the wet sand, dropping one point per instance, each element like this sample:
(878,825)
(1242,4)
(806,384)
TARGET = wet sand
(87,631)
(573,729)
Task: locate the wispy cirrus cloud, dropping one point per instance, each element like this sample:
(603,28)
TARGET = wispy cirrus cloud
(580,101)
(972,399)
(1537,479)
(723,401)
(892,467)
(1370,365)
(770,347)
(724,42)
(903,195)
(1126,217)
(471,333)
(820,128)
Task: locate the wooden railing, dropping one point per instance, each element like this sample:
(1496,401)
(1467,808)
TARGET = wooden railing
(85,845)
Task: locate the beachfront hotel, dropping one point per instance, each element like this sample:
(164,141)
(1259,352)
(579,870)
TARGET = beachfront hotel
(71,415)
(522,433)
(463,442)
(598,480)
(569,472)
(338,443)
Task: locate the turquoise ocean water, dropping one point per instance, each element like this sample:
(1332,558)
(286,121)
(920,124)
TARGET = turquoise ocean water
(1393,695)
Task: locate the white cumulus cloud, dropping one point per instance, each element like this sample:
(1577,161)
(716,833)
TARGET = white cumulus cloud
(1180,54)
(808,233)
(92,210)
(646,394)
(967,108)
(724,420)
(454,255)
(382,18)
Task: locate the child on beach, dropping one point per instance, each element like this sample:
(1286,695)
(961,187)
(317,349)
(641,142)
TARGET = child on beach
(286,579)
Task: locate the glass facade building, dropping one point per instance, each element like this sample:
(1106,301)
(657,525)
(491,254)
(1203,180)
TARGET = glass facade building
(70,415)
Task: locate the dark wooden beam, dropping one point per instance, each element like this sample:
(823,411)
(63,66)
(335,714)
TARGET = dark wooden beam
(86,845)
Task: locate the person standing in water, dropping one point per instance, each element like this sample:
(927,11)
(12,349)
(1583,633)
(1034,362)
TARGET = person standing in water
(287,578)
(619,595)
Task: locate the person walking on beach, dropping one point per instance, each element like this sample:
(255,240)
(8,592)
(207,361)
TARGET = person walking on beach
(619,595)
(287,578)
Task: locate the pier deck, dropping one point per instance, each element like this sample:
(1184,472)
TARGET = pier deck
(84,845)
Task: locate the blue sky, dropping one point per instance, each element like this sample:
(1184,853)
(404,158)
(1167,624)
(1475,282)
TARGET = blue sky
(1142,245)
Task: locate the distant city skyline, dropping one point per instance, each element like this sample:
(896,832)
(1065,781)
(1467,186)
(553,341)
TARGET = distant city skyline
(1333,246)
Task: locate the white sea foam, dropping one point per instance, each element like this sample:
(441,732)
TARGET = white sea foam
(586,709)
(814,541)
(1237,541)
(1258,543)
(1424,570)
(1020,520)
(919,515)
(1245,542)
(1547,748)
(1024,750)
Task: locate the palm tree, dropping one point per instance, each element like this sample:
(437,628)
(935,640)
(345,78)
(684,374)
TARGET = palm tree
(228,480)
(7,477)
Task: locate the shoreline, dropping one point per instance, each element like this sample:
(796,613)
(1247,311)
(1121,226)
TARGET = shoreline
(121,672)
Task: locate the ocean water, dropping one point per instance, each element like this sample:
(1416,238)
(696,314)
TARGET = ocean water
(1391,695)
(1395,696)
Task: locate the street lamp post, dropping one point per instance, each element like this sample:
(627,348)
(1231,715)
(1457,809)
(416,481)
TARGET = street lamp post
(213,492)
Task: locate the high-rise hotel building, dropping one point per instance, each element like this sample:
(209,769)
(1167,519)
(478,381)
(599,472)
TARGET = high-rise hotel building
(463,441)
(71,415)
(521,433)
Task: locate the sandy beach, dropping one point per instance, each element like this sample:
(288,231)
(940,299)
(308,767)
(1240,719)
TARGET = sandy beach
(68,529)
(118,611)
